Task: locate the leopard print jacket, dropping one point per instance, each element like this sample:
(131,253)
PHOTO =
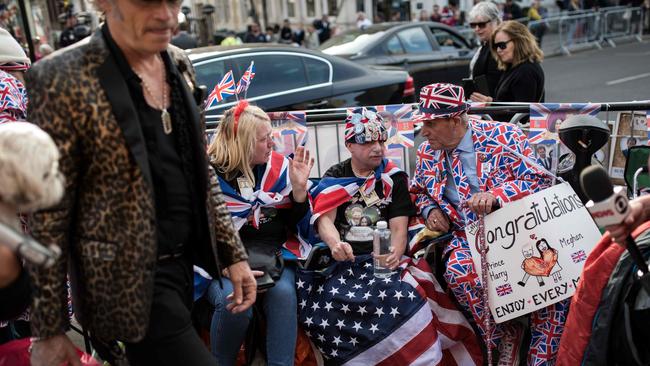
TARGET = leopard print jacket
(105,224)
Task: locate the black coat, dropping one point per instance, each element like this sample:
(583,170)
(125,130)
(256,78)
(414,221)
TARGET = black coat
(487,65)
(522,83)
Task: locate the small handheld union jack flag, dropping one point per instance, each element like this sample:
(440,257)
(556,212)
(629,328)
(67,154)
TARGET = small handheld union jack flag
(245,81)
(221,91)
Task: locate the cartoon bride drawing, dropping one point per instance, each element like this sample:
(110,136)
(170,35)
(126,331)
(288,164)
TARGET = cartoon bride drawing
(549,255)
(543,266)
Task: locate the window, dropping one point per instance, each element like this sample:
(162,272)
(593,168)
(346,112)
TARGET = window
(415,40)
(291,8)
(273,73)
(447,40)
(317,71)
(311,8)
(393,46)
(332,7)
(210,74)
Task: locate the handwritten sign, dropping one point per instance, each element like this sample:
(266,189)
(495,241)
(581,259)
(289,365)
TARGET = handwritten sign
(537,248)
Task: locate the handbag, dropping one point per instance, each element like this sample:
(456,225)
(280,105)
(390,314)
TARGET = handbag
(265,258)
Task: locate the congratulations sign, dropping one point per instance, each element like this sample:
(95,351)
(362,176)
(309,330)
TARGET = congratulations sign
(537,248)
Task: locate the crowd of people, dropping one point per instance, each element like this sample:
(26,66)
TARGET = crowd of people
(125,186)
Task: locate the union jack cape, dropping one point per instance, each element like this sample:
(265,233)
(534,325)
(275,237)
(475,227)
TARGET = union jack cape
(332,192)
(272,191)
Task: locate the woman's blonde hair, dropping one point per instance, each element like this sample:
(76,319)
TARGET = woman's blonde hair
(232,152)
(525,46)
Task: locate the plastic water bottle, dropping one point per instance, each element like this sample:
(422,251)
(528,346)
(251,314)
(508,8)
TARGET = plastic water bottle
(381,250)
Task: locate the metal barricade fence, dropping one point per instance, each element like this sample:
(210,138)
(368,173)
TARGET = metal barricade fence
(326,132)
(579,31)
(622,23)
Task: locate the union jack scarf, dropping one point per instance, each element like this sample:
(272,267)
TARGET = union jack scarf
(13,99)
(332,192)
(271,191)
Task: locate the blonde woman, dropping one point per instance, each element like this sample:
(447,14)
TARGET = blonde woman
(267,197)
(520,57)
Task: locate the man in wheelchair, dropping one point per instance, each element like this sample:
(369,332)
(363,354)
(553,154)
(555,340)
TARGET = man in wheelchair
(468,168)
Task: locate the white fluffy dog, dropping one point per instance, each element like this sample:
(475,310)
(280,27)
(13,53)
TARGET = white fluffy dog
(29,171)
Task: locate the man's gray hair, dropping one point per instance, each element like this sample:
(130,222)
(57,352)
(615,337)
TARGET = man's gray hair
(487,10)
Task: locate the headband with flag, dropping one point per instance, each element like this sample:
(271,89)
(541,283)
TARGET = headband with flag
(245,81)
(221,91)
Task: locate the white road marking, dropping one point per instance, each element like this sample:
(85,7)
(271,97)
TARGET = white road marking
(629,78)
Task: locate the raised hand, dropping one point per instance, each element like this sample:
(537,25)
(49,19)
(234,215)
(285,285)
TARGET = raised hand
(299,169)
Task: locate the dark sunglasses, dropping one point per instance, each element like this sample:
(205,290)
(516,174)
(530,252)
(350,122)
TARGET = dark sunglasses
(501,45)
(480,25)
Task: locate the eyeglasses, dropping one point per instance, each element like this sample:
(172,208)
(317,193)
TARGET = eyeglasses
(501,45)
(480,25)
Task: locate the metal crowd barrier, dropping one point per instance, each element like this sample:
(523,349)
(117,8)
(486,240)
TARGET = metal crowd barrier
(564,32)
(326,131)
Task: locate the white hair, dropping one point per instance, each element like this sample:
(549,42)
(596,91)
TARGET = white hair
(29,168)
(486,10)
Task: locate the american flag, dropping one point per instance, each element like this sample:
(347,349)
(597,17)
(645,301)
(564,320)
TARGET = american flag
(246,79)
(504,290)
(354,318)
(579,256)
(543,117)
(221,91)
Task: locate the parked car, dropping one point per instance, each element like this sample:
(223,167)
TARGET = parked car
(431,52)
(292,78)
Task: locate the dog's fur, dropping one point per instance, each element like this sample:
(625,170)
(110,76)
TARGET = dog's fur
(29,168)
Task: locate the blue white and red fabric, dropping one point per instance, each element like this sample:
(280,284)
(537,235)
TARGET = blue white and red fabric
(246,78)
(401,131)
(221,91)
(332,192)
(274,190)
(441,100)
(508,177)
(354,318)
(13,99)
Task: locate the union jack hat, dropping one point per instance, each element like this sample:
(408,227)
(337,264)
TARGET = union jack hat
(364,125)
(441,100)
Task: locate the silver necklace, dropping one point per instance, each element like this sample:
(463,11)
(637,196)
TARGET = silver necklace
(165,117)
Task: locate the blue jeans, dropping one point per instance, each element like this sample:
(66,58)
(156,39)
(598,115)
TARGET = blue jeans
(228,330)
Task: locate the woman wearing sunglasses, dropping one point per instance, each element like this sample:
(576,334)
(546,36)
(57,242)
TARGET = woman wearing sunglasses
(519,56)
(483,19)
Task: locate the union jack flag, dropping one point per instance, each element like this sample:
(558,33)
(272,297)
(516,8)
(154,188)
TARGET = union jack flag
(504,290)
(246,79)
(579,256)
(354,318)
(545,119)
(221,91)
(332,192)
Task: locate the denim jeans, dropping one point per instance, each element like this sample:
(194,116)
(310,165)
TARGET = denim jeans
(228,330)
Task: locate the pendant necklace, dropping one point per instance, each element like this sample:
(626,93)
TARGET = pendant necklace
(165,117)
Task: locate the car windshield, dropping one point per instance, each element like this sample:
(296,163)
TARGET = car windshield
(350,42)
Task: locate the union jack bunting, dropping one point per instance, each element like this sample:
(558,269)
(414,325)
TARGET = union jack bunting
(272,191)
(545,119)
(221,91)
(504,290)
(245,80)
(332,192)
(13,99)
(579,256)
(354,318)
